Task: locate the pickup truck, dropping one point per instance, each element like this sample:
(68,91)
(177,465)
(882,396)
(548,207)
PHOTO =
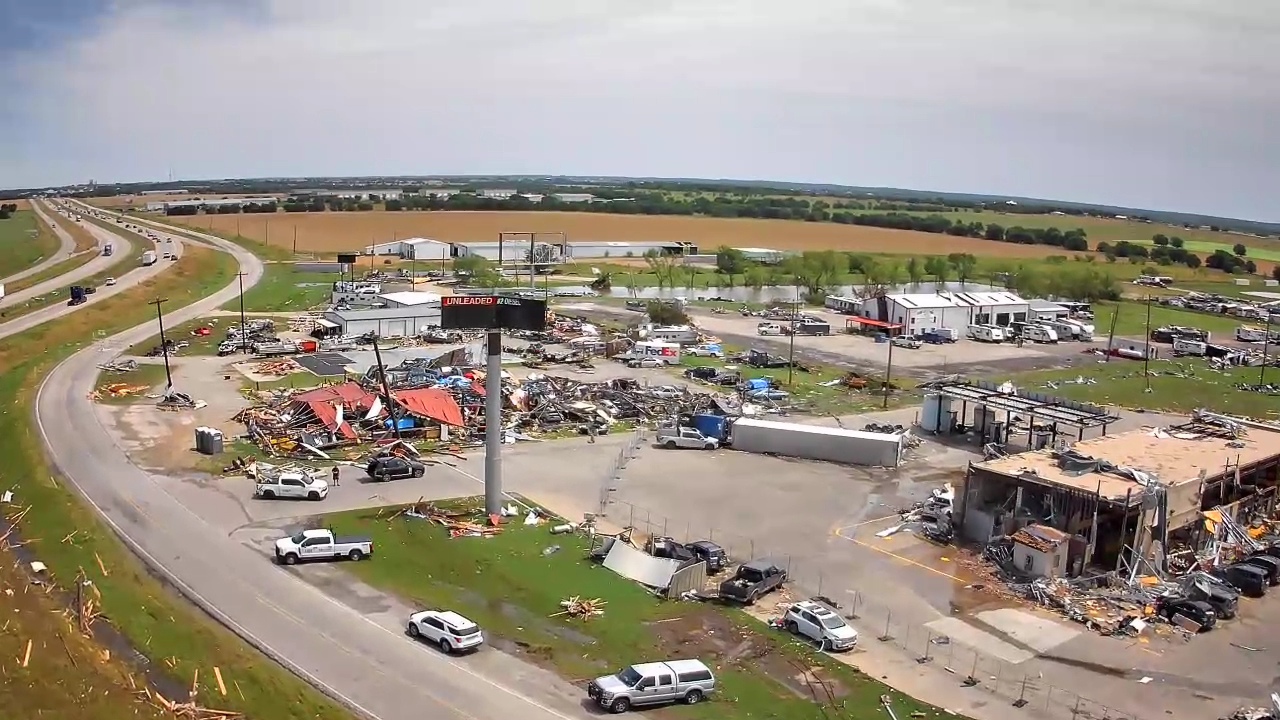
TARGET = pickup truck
(292,485)
(685,437)
(321,545)
(752,580)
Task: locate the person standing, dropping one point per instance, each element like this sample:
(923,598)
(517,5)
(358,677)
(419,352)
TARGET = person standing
(335,476)
(591,433)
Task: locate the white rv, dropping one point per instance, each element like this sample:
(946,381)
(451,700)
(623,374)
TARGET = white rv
(1040,334)
(670,333)
(1250,334)
(987,333)
(1188,347)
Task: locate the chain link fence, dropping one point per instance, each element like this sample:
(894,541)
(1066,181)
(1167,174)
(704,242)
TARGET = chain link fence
(875,622)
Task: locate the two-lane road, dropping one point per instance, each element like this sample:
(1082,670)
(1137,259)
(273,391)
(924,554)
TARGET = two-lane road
(367,664)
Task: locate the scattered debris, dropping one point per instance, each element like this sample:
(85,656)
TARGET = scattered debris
(118,390)
(576,607)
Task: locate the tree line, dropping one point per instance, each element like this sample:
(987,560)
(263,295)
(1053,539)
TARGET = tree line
(1170,250)
(7,210)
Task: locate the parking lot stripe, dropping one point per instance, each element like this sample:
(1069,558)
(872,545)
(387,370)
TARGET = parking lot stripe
(896,556)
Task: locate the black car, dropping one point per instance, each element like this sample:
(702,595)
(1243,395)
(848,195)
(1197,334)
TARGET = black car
(1224,601)
(712,554)
(1198,612)
(394,468)
(701,373)
(1249,580)
(1266,563)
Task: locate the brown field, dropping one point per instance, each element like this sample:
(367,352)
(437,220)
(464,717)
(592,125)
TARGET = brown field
(22,204)
(334,232)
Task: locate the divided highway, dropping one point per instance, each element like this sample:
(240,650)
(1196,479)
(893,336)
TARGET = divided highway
(66,244)
(366,664)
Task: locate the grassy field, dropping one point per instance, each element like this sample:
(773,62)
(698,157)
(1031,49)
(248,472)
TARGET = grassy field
(24,241)
(151,376)
(512,585)
(197,344)
(177,637)
(1177,385)
(285,289)
(83,238)
(807,391)
(1132,320)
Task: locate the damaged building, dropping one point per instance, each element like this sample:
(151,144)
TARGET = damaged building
(1111,502)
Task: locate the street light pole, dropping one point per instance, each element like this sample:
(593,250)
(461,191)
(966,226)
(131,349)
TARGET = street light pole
(1146,356)
(1266,346)
(888,373)
(164,346)
(244,335)
(791,352)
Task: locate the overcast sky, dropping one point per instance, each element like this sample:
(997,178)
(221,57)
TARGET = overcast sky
(1169,104)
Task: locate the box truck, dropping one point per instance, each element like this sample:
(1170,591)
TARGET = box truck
(149,257)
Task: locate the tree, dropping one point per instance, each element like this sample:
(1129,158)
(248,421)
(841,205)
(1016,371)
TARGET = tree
(994,232)
(816,270)
(965,264)
(1175,241)
(915,270)
(755,277)
(1275,272)
(478,271)
(1250,267)
(938,267)
(731,261)
(665,313)
(663,267)
(1239,249)
(1160,239)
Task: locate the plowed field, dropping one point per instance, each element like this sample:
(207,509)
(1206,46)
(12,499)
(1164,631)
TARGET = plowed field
(333,232)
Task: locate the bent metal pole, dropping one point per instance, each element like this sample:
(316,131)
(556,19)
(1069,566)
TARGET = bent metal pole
(493,423)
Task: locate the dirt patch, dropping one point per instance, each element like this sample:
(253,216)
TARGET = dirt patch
(716,638)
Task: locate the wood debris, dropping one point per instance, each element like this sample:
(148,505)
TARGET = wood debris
(118,390)
(186,710)
(459,523)
(277,368)
(576,607)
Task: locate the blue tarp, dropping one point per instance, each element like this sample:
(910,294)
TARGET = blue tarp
(758,384)
(405,423)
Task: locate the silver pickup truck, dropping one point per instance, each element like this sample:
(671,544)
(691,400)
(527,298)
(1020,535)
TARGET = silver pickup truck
(321,545)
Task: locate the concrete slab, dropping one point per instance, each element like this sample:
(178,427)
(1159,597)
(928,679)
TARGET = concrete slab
(984,642)
(1035,631)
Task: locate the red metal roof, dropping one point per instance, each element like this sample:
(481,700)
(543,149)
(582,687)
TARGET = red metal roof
(872,323)
(327,413)
(431,403)
(349,393)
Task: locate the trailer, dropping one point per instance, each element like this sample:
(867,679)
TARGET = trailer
(815,442)
(149,258)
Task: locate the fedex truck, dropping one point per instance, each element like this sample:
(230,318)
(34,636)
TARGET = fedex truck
(667,353)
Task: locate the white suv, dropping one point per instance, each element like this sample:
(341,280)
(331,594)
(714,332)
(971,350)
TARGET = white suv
(445,628)
(820,624)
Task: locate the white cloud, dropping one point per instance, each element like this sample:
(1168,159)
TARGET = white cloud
(1127,101)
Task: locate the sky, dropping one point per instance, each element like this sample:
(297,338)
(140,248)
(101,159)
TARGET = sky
(1168,105)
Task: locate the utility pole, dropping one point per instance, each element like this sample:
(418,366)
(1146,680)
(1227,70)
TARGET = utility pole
(888,372)
(493,423)
(791,352)
(1266,345)
(164,347)
(295,238)
(386,389)
(1146,356)
(244,335)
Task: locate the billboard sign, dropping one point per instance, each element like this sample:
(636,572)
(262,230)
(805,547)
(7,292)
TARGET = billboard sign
(492,312)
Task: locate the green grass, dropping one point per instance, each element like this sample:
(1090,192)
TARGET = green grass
(283,288)
(116,269)
(53,271)
(1269,252)
(511,585)
(1133,319)
(24,241)
(1177,385)
(156,621)
(152,376)
(807,392)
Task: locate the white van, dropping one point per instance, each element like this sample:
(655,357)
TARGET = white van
(665,352)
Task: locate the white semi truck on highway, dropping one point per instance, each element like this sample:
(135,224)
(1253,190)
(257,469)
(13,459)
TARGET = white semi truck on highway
(149,257)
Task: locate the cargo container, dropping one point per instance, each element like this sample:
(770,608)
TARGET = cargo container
(815,442)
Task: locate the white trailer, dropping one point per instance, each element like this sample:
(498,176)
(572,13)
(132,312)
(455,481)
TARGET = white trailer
(1189,347)
(815,442)
(1250,334)
(1040,334)
(149,257)
(987,333)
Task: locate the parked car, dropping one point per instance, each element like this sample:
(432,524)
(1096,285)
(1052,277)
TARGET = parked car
(645,363)
(1266,563)
(394,468)
(905,341)
(773,394)
(704,351)
(712,554)
(655,683)
(685,437)
(820,624)
(1224,601)
(321,545)
(701,373)
(446,629)
(1197,611)
(753,580)
(292,485)
(1249,580)
(666,392)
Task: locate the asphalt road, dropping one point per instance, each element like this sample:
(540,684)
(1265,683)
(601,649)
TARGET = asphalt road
(123,248)
(65,246)
(367,664)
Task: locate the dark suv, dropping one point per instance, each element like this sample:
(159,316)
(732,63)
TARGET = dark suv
(394,468)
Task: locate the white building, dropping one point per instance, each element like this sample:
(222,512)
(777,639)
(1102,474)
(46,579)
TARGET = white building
(410,298)
(1045,310)
(406,313)
(495,193)
(921,312)
(574,197)
(614,249)
(212,202)
(512,251)
(413,249)
(764,256)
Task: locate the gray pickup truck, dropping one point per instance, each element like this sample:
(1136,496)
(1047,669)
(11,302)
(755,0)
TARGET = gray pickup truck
(752,580)
(321,545)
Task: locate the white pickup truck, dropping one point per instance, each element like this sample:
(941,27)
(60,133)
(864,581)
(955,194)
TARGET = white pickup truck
(685,437)
(321,545)
(294,485)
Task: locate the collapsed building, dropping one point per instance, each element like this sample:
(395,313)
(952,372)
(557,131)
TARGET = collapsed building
(1114,501)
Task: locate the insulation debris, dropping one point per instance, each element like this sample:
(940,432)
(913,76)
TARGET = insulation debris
(582,609)
(118,390)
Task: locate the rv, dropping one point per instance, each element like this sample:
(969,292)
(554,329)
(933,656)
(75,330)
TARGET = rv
(1070,330)
(1183,346)
(684,334)
(665,352)
(987,333)
(1250,334)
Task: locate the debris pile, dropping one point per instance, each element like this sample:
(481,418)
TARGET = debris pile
(118,390)
(460,523)
(277,368)
(582,609)
(119,366)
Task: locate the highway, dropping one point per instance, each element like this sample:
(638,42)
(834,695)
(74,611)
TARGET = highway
(66,244)
(365,663)
(123,248)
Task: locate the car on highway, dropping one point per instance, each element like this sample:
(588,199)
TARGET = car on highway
(292,485)
(394,468)
(445,629)
(321,545)
(110,281)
